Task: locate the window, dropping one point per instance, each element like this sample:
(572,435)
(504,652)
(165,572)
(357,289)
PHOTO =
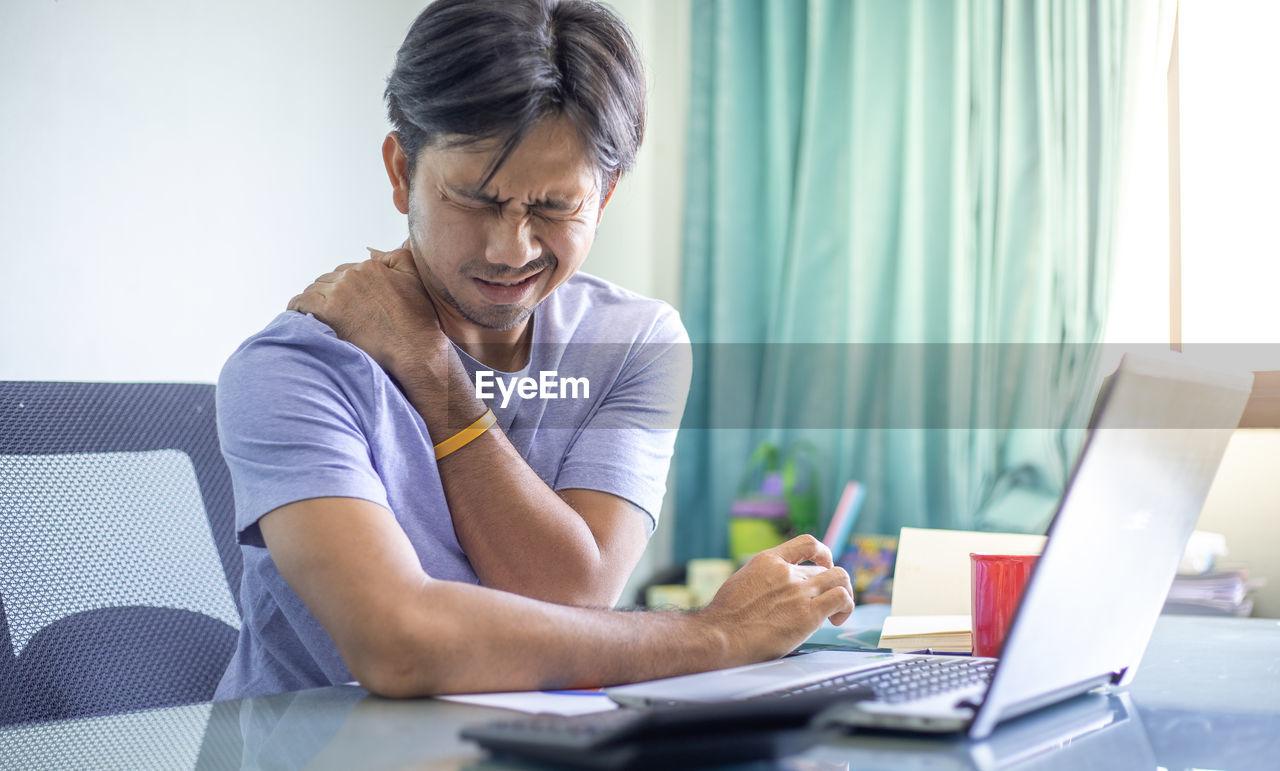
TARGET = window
(1229,127)
(1198,245)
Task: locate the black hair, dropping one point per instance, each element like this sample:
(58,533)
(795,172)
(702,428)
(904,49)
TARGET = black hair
(476,70)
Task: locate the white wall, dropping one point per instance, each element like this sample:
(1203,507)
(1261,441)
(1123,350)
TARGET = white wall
(175,172)
(1244,505)
(639,243)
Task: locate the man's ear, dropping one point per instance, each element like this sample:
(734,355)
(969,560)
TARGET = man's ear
(613,185)
(397,164)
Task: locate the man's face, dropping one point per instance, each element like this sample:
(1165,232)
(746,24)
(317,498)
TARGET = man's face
(488,257)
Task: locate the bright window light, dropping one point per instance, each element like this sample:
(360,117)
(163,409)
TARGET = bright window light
(1229,61)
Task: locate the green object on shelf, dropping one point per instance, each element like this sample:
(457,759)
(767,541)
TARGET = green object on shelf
(777,498)
(750,535)
(800,486)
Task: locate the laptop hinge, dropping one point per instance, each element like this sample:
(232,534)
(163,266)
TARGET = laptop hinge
(990,712)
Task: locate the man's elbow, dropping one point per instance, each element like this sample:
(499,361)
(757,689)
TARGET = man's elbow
(403,660)
(593,597)
(395,679)
(587,585)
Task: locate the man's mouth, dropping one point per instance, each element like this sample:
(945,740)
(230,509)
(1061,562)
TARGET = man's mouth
(506,292)
(508,283)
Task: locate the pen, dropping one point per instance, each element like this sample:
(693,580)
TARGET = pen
(932,652)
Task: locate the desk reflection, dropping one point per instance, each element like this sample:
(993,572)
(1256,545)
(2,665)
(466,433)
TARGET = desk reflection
(1191,706)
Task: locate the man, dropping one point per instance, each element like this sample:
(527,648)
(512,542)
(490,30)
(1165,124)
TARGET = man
(375,488)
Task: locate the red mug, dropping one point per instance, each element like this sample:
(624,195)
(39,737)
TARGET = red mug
(998,581)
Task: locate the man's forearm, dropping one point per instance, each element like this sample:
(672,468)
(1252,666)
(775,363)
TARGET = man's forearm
(527,644)
(518,533)
(403,633)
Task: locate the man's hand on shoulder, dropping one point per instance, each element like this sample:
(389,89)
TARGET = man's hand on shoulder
(378,305)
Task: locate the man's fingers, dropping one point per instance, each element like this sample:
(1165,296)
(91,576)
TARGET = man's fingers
(804,548)
(835,604)
(831,578)
(402,260)
(310,301)
(834,594)
(397,259)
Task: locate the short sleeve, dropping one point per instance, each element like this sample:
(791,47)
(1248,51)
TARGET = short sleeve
(625,446)
(288,404)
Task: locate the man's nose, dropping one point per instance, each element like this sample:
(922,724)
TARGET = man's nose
(512,241)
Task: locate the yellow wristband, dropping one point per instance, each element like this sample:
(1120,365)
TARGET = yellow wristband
(466,435)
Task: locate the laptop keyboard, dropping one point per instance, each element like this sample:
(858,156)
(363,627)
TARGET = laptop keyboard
(906,680)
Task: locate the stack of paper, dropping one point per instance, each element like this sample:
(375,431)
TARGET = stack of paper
(1221,593)
(913,633)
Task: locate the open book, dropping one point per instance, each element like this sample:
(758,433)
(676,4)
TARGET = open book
(913,633)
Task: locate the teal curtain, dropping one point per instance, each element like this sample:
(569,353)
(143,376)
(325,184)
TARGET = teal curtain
(917,196)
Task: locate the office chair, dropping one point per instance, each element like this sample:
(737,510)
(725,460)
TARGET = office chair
(119,566)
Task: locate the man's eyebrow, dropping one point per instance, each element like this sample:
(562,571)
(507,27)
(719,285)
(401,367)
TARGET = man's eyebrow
(473,193)
(554,203)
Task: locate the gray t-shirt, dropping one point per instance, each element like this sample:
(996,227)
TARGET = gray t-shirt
(302,414)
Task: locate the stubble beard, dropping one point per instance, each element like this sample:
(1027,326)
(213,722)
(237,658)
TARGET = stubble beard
(488,317)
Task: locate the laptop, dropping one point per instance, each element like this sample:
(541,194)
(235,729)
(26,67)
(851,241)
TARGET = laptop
(1157,435)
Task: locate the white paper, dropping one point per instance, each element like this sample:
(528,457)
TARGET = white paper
(541,702)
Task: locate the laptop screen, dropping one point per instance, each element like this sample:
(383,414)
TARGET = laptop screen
(1159,434)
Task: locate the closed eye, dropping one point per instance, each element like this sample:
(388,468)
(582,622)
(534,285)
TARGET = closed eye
(551,209)
(556,209)
(468,199)
(554,215)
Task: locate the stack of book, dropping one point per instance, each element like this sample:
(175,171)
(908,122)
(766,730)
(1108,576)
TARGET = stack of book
(1213,593)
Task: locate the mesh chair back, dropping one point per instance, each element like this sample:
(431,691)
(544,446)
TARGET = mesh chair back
(118,557)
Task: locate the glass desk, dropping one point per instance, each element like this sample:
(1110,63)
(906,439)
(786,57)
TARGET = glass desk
(1207,696)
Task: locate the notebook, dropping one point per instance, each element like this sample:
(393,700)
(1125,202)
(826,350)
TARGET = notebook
(1158,434)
